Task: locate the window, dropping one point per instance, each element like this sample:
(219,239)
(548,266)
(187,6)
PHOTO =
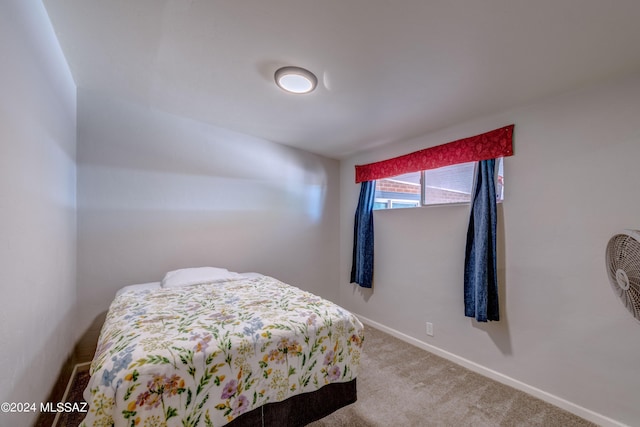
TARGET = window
(446,185)
(402,191)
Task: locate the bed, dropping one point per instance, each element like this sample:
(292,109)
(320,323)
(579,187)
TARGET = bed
(239,350)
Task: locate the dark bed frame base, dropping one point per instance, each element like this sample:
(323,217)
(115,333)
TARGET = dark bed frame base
(301,409)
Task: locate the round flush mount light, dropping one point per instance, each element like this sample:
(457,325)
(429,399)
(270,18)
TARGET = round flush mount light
(296,80)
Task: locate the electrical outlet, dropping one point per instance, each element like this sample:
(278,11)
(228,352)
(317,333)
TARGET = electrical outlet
(430,329)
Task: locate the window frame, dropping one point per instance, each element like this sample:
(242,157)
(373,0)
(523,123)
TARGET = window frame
(422,202)
(418,203)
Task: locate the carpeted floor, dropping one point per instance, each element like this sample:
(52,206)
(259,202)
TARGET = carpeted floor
(402,385)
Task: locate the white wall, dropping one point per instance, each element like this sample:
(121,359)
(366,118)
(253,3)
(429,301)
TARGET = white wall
(572,183)
(37,206)
(159,192)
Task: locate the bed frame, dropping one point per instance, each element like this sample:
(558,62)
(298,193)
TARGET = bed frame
(301,409)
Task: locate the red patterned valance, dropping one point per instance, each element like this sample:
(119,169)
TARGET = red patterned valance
(490,145)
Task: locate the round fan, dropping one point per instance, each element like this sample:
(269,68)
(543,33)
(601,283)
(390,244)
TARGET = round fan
(623,268)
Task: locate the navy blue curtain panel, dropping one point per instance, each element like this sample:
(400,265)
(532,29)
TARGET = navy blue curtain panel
(480,271)
(362,263)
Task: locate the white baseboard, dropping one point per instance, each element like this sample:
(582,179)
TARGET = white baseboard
(578,410)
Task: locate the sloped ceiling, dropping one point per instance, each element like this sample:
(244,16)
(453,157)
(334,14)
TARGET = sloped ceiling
(388,70)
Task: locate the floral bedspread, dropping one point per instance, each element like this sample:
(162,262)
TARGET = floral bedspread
(203,355)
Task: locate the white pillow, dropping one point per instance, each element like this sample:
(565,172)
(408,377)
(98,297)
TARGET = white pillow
(196,276)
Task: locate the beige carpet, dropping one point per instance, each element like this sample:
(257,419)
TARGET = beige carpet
(402,385)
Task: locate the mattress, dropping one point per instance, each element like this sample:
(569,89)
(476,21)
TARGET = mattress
(209,353)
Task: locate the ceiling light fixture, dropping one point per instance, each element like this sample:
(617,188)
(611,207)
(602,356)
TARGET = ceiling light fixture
(296,80)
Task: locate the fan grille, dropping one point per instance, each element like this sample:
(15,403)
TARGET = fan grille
(623,263)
